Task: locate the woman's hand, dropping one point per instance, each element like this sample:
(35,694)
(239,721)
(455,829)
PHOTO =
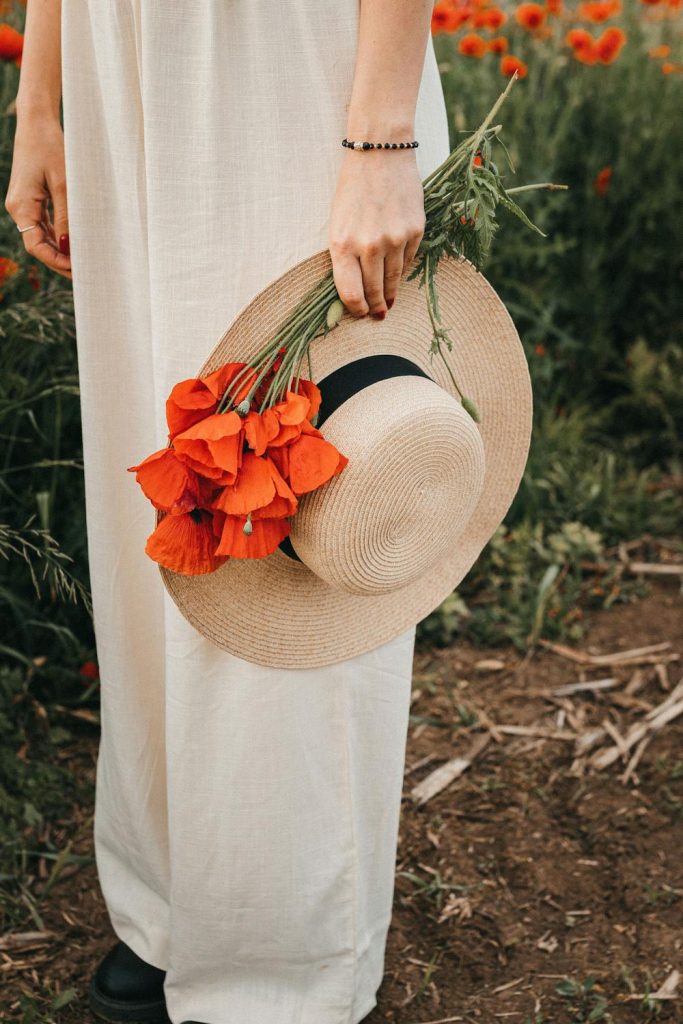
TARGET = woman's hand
(38,177)
(376,224)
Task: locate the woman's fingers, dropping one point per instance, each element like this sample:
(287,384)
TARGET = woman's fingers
(393,269)
(368,282)
(38,181)
(38,240)
(60,220)
(372,267)
(376,224)
(348,280)
(412,245)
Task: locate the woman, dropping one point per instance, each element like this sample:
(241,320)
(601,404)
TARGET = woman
(246,818)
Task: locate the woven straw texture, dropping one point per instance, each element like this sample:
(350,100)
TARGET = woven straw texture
(277,611)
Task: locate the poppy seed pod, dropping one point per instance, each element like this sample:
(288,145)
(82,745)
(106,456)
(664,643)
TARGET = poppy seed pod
(334,313)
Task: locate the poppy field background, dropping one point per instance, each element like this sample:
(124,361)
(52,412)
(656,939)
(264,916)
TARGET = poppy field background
(598,307)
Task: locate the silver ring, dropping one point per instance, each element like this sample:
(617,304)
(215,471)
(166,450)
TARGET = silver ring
(28,228)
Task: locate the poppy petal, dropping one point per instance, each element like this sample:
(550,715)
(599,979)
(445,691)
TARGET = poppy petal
(286,433)
(214,427)
(171,485)
(253,488)
(263,540)
(260,429)
(280,458)
(284,503)
(293,409)
(218,381)
(312,392)
(312,461)
(214,443)
(188,402)
(185,543)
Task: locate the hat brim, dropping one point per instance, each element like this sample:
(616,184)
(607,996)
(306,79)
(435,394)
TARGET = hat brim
(275,611)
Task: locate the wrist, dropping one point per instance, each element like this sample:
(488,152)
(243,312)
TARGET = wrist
(375,127)
(37,108)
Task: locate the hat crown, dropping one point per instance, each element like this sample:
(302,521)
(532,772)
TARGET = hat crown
(415,474)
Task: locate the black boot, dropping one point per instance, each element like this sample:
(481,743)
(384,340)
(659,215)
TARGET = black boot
(127,990)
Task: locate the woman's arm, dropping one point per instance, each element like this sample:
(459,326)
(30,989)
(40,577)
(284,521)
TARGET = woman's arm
(38,167)
(377,217)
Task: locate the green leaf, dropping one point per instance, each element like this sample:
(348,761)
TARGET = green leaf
(64,998)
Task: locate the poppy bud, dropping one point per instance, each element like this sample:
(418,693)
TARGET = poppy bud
(248,528)
(334,313)
(243,407)
(469,406)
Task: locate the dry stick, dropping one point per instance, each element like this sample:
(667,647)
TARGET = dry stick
(619,740)
(448,772)
(666,991)
(591,685)
(654,569)
(655,720)
(635,760)
(442,1020)
(592,737)
(15,940)
(633,656)
(532,730)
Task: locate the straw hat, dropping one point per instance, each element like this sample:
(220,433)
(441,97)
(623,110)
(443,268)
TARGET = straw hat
(384,542)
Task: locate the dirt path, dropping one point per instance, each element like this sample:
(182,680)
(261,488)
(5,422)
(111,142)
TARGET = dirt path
(528,875)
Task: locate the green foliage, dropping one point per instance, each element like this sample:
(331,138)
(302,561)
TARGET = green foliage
(585,1000)
(577,499)
(607,277)
(44,597)
(34,786)
(598,307)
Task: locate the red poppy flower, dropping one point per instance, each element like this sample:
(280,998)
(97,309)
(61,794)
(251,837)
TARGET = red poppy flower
(257,486)
(89,671)
(609,45)
(602,180)
(260,428)
(219,381)
(11,43)
(530,16)
(498,44)
(168,482)
(472,45)
(490,17)
(185,543)
(444,18)
(213,446)
(189,401)
(265,536)
(510,64)
(598,10)
(313,461)
(583,45)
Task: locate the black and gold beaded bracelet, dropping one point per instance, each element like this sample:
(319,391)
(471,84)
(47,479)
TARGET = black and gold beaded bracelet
(380,145)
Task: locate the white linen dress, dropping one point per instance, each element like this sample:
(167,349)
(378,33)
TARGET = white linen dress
(246,818)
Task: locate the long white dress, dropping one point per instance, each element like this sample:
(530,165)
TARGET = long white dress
(246,818)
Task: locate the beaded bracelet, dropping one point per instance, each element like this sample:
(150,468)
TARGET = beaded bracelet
(380,145)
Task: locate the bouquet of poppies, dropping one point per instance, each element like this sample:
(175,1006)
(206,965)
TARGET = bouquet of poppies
(229,480)
(243,445)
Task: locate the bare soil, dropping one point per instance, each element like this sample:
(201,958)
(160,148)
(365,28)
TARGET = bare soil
(533,869)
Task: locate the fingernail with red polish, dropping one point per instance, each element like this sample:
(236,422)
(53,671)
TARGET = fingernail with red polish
(64,245)
(390,303)
(380,316)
